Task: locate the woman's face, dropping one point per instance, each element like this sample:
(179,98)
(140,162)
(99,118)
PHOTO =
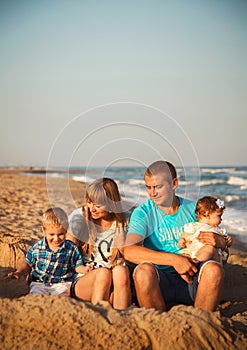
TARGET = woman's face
(97,210)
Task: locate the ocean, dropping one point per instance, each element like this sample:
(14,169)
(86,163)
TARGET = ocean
(227,183)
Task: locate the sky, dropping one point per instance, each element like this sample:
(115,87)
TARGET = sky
(110,82)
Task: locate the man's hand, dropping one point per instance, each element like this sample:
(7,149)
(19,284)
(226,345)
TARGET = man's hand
(185,268)
(210,238)
(215,240)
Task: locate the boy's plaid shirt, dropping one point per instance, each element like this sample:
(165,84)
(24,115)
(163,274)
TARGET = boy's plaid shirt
(53,267)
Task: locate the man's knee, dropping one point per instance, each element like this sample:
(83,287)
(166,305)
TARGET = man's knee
(213,271)
(145,273)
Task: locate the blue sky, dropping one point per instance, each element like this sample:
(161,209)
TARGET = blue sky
(102,82)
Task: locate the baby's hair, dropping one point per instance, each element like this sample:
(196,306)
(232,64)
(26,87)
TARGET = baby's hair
(55,217)
(207,205)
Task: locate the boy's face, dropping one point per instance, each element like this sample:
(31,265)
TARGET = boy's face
(55,236)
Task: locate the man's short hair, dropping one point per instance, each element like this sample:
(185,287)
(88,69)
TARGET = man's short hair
(161,167)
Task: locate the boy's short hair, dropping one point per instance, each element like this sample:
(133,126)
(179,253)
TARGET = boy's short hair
(206,205)
(55,217)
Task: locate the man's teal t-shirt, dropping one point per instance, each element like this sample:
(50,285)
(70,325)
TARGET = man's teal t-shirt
(161,231)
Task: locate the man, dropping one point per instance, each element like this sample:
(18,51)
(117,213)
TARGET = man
(162,274)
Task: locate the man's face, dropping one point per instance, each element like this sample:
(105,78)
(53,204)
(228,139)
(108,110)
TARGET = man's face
(161,189)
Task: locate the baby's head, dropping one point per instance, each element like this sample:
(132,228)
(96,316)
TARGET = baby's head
(55,226)
(209,210)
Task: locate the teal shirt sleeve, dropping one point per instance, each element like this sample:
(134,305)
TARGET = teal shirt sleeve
(138,222)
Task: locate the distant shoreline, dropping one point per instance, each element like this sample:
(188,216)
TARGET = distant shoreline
(39,170)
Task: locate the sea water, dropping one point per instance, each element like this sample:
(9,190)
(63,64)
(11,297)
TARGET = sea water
(227,183)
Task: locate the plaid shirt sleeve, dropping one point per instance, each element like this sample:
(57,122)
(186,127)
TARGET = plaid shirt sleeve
(30,256)
(77,258)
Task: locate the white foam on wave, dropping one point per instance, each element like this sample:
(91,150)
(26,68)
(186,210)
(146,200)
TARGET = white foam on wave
(186,183)
(238,181)
(235,222)
(238,172)
(231,198)
(134,182)
(133,192)
(217,170)
(83,178)
(209,182)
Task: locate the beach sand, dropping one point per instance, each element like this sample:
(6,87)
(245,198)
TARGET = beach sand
(45,322)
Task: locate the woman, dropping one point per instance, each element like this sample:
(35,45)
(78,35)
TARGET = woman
(99,229)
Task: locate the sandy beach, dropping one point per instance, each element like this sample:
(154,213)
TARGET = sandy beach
(45,322)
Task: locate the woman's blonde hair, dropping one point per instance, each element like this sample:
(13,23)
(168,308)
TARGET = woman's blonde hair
(55,217)
(207,205)
(104,191)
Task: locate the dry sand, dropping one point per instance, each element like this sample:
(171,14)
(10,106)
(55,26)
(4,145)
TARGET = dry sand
(46,322)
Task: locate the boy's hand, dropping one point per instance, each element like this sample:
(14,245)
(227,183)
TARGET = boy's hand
(14,274)
(88,268)
(84,269)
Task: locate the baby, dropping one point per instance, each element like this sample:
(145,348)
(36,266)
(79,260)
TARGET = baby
(209,211)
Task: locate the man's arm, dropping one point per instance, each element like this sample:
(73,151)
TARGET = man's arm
(136,253)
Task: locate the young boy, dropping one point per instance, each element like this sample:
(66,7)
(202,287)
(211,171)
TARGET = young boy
(52,261)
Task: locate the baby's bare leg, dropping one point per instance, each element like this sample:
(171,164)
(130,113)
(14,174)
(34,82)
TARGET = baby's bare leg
(207,253)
